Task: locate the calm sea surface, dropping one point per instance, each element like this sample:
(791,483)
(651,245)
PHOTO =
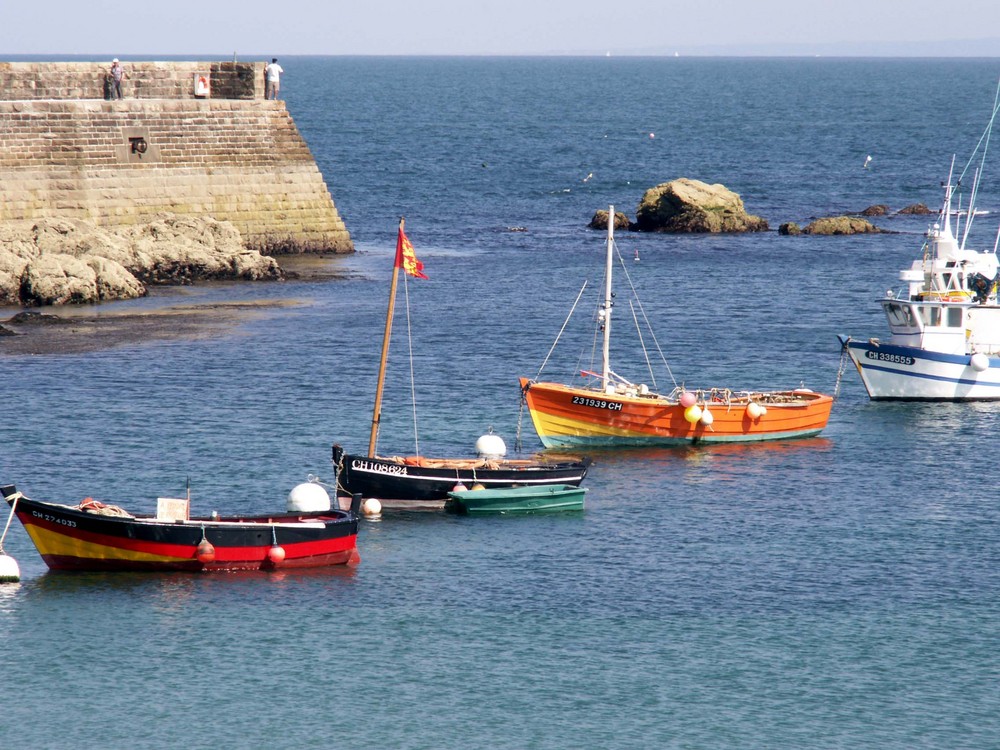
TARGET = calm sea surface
(837,592)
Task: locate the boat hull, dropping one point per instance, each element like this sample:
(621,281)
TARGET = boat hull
(73,539)
(905,373)
(432,480)
(512,500)
(567,417)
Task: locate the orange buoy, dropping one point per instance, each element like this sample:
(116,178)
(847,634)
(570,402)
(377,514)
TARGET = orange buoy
(459,487)
(276,554)
(205,552)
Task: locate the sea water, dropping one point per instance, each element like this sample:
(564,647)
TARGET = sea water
(839,591)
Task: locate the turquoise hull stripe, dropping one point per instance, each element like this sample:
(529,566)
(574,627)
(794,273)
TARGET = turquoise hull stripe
(586,441)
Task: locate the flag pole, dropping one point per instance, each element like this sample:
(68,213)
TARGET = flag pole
(377,414)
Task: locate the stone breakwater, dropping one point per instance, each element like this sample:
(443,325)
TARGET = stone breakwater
(120,163)
(225,154)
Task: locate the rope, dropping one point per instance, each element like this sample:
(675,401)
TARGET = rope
(559,335)
(649,327)
(984,141)
(985,136)
(338,471)
(13,507)
(642,343)
(413,387)
(844,356)
(520,414)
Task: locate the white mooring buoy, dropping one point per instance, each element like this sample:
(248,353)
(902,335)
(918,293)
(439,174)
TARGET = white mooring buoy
(9,572)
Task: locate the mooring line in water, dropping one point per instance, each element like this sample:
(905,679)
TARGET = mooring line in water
(9,571)
(844,355)
(13,507)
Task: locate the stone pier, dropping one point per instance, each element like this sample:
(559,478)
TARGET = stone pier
(189,138)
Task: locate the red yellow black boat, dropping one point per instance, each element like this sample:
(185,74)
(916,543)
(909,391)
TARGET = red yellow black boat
(93,536)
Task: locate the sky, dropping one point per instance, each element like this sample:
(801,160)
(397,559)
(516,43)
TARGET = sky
(264,28)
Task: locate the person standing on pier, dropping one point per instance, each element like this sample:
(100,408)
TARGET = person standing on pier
(273,76)
(117,76)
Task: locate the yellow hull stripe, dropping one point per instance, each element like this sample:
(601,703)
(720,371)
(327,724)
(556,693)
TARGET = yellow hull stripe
(51,543)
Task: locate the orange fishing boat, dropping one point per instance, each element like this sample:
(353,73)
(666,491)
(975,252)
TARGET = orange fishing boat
(611,411)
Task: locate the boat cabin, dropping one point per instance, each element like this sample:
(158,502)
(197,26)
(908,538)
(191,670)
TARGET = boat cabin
(927,325)
(951,306)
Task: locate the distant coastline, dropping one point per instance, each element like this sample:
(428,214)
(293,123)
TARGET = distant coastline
(982,48)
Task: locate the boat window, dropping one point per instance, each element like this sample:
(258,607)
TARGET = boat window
(931,316)
(954,317)
(910,319)
(896,316)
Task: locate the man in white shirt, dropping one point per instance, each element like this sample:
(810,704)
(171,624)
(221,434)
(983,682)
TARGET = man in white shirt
(272,74)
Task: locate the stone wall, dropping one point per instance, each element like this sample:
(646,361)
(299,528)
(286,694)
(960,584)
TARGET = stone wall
(144,80)
(115,163)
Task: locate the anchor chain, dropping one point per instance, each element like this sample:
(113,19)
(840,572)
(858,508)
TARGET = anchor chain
(844,356)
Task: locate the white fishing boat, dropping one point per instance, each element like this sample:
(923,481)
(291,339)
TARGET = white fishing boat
(944,324)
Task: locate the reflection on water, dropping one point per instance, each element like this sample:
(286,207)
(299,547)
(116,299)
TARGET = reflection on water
(8,596)
(695,453)
(702,464)
(170,591)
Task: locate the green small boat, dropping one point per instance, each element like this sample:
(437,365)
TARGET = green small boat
(549,498)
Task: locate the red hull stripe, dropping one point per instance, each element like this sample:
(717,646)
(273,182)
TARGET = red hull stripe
(349,558)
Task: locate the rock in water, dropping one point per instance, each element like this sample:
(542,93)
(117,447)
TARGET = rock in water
(841,225)
(693,206)
(67,261)
(917,209)
(600,220)
(879,209)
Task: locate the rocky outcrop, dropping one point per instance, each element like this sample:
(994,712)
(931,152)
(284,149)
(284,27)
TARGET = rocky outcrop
(789,228)
(917,209)
(879,209)
(67,261)
(693,206)
(60,279)
(841,225)
(600,220)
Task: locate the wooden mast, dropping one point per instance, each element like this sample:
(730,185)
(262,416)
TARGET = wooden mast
(377,414)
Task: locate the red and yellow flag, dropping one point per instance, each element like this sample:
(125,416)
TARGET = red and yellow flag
(406,258)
